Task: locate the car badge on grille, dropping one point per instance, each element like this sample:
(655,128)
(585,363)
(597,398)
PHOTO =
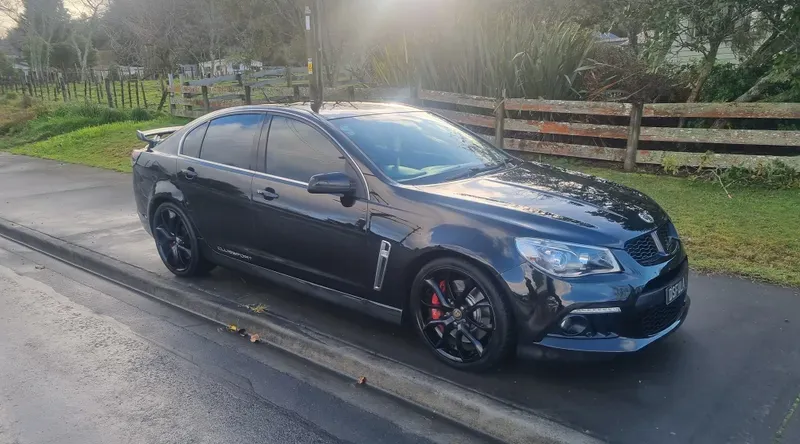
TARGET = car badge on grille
(645,216)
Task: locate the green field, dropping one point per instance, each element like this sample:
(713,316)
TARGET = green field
(80,93)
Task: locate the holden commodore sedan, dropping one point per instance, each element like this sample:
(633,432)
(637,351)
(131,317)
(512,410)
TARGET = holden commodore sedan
(399,213)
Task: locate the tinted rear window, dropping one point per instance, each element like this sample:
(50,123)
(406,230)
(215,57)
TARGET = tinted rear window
(229,140)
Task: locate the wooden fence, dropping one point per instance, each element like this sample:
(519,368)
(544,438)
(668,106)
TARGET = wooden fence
(509,123)
(123,91)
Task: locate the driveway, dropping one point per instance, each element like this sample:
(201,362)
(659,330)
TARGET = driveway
(731,374)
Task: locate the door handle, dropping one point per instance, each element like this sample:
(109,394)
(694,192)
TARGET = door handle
(268,193)
(189,173)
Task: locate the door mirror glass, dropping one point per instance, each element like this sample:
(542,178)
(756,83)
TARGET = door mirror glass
(331,183)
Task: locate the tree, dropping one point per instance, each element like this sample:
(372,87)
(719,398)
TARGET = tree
(83,29)
(6,67)
(42,23)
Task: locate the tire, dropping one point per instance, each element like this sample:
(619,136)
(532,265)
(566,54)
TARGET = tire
(476,332)
(177,243)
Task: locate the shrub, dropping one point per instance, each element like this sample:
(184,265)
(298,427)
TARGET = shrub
(483,48)
(26,102)
(140,115)
(618,74)
(774,174)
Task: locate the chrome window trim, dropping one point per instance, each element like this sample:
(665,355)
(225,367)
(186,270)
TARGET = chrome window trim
(244,170)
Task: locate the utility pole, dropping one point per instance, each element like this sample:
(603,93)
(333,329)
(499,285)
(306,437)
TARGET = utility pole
(313,26)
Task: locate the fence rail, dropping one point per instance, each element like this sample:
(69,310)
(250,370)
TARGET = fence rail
(512,131)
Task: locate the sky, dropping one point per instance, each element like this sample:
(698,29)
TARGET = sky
(73,7)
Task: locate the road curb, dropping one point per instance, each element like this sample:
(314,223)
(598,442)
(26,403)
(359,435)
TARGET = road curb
(471,409)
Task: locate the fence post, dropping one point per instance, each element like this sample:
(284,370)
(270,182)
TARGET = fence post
(206,102)
(248,99)
(164,94)
(63,89)
(634,130)
(122,89)
(500,121)
(114,93)
(136,88)
(144,96)
(108,93)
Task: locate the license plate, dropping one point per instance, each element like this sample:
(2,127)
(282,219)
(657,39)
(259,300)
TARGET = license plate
(675,290)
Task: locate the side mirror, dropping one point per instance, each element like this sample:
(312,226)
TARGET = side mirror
(331,183)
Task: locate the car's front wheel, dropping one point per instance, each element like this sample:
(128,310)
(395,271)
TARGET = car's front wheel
(461,316)
(177,242)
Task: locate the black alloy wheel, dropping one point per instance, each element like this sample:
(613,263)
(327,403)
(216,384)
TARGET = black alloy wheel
(460,315)
(176,242)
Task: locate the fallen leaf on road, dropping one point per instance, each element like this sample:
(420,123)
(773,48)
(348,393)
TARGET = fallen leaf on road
(260,308)
(362,380)
(254,338)
(233,327)
(39,267)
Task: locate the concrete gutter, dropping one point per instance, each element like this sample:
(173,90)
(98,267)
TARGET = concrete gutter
(482,413)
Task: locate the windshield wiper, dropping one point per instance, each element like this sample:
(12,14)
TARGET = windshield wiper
(474,171)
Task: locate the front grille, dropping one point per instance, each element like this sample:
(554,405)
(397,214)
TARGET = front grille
(643,249)
(656,319)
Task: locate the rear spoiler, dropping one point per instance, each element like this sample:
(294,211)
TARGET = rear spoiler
(155,136)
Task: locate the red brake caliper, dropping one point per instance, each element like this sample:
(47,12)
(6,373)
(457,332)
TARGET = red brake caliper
(436,314)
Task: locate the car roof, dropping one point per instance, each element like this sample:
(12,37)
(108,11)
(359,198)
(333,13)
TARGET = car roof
(330,110)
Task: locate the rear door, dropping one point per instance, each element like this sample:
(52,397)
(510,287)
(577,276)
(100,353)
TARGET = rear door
(215,172)
(317,238)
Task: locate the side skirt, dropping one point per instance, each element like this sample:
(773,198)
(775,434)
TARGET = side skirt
(374,309)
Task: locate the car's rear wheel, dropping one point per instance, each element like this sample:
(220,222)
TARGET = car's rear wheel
(177,243)
(460,315)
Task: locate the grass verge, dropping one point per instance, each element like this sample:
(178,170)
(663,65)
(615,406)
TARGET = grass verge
(106,146)
(755,233)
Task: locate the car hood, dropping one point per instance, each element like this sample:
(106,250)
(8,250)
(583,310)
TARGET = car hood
(556,203)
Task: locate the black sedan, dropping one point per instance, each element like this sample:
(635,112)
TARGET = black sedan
(399,213)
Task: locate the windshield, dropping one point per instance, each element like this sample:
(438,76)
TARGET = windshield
(420,148)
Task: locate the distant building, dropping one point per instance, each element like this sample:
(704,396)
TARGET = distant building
(220,67)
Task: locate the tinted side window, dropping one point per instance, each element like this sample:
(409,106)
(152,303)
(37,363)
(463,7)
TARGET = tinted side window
(298,151)
(229,139)
(191,144)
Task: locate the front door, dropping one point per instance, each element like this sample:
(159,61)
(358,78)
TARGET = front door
(215,174)
(317,238)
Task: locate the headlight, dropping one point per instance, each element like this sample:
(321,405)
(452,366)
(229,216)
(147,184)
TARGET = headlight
(563,259)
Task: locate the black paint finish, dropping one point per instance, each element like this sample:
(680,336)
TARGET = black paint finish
(330,243)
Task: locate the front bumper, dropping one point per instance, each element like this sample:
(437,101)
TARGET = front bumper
(638,295)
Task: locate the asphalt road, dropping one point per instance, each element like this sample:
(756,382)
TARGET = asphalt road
(83,361)
(730,375)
